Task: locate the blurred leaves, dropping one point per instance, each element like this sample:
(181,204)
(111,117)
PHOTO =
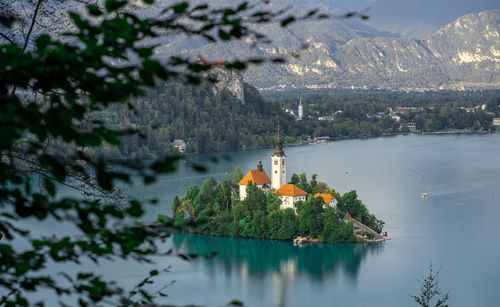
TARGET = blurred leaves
(48,94)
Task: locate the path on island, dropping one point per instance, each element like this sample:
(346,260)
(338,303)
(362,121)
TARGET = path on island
(358,226)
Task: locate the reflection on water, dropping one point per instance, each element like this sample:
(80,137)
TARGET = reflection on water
(256,259)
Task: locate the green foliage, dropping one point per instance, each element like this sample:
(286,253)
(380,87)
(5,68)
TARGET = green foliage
(349,202)
(335,232)
(273,202)
(235,176)
(52,95)
(320,187)
(308,186)
(289,225)
(354,113)
(429,291)
(221,123)
(311,217)
(259,216)
(206,122)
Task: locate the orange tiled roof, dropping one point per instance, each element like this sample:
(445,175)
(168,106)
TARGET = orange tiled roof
(255,176)
(326,197)
(290,190)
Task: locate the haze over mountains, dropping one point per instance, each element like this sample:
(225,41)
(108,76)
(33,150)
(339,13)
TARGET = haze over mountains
(464,54)
(416,19)
(405,45)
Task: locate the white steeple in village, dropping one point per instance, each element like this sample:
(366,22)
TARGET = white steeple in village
(300,109)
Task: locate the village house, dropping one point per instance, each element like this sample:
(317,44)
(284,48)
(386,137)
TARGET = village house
(328,199)
(327,118)
(395,116)
(412,127)
(180,145)
(290,195)
(321,139)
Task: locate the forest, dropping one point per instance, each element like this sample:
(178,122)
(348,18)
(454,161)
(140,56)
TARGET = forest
(207,122)
(216,123)
(213,209)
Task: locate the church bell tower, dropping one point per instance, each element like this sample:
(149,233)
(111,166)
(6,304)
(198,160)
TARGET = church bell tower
(278,165)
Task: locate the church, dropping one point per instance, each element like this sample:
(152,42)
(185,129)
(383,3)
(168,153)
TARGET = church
(289,194)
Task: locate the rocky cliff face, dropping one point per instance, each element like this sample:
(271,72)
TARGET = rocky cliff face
(228,80)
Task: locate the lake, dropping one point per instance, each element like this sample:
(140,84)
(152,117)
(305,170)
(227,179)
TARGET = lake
(456,228)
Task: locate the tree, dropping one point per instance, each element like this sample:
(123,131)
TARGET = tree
(289,225)
(236,176)
(331,228)
(320,187)
(405,128)
(50,94)
(274,222)
(223,195)
(429,290)
(349,202)
(256,199)
(303,184)
(313,182)
(273,202)
(311,217)
(175,205)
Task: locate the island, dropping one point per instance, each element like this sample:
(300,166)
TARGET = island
(256,206)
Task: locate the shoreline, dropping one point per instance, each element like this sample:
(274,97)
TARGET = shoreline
(351,138)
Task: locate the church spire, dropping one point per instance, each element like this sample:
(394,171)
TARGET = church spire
(278,149)
(278,131)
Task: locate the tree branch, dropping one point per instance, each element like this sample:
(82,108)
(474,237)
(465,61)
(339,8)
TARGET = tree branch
(33,21)
(7,38)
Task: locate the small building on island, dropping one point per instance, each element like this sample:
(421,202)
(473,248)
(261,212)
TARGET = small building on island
(290,195)
(256,176)
(329,199)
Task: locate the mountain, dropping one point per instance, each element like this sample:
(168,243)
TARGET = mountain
(346,53)
(464,54)
(414,18)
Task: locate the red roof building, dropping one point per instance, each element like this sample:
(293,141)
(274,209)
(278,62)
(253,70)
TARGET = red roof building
(329,199)
(256,176)
(290,194)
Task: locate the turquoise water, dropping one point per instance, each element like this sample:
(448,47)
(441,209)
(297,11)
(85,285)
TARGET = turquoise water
(456,227)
